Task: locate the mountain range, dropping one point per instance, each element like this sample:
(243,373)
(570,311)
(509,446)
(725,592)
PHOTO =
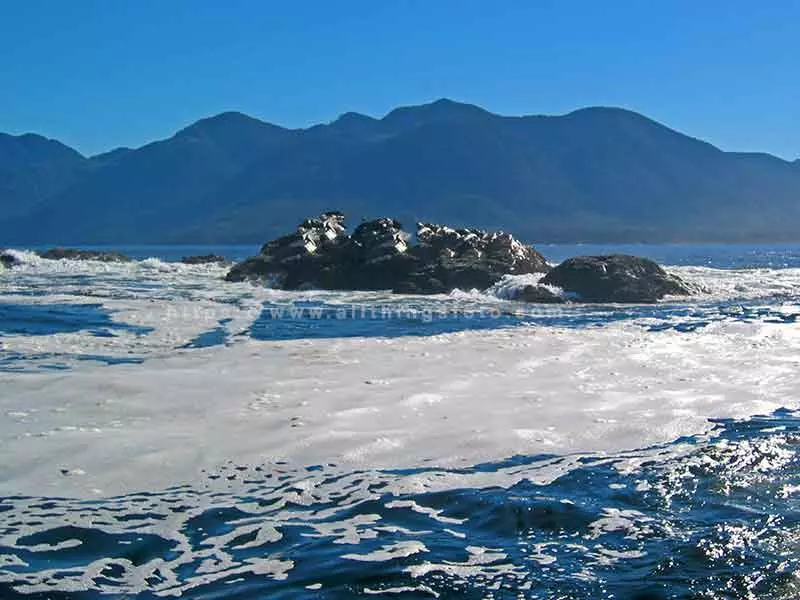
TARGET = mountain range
(593,175)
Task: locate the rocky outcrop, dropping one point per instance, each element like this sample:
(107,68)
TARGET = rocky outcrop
(466,259)
(615,278)
(75,254)
(204,259)
(378,255)
(259,268)
(317,255)
(312,235)
(380,240)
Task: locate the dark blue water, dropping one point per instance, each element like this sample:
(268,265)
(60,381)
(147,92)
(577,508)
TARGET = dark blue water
(320,320)
(709,517)
(56,317)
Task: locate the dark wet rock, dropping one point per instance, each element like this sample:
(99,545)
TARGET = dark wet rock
(447,275)
(537,294)
(204,259)
(379,241)
(320,255)
(315,255)
(476,245)
(254,268)
(328,227)
(420,283)
(8,260)
(75,254)
(615,278)
(311,236)
(448,259)
(378,256)
(312,256)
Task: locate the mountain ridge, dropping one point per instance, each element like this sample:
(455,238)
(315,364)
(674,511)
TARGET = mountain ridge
(355,115)
(593,174)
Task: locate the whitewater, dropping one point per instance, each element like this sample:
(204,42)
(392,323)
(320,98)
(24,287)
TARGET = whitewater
(166,433)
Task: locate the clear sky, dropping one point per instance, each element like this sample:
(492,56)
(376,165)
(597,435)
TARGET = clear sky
(98,74)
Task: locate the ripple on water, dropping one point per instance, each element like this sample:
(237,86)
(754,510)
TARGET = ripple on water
(707,517)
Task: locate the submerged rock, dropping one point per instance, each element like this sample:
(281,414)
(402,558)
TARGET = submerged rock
(203,259)
(255,268)
(75,254)
(537,294)
(615,278)
(8,260)
(378,256)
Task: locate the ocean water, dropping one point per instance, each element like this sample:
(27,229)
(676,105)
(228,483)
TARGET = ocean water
(699,518)
(709,514)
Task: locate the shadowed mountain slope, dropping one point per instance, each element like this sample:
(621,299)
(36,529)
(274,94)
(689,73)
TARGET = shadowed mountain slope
(596,174)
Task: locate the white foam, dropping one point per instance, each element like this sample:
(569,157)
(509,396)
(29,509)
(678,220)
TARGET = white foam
(448,400)
(587,390)
(744,284)
(405,589)
(390,552)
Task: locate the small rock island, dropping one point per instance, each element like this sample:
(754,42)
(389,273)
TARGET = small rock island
(59,253)
(379,255)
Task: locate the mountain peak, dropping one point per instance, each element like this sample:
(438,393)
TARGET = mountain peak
(438,110)
(593,119)
(355,117)
(40,143)
(224,122)
(609,112)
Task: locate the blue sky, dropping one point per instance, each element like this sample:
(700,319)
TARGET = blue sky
(98,74)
